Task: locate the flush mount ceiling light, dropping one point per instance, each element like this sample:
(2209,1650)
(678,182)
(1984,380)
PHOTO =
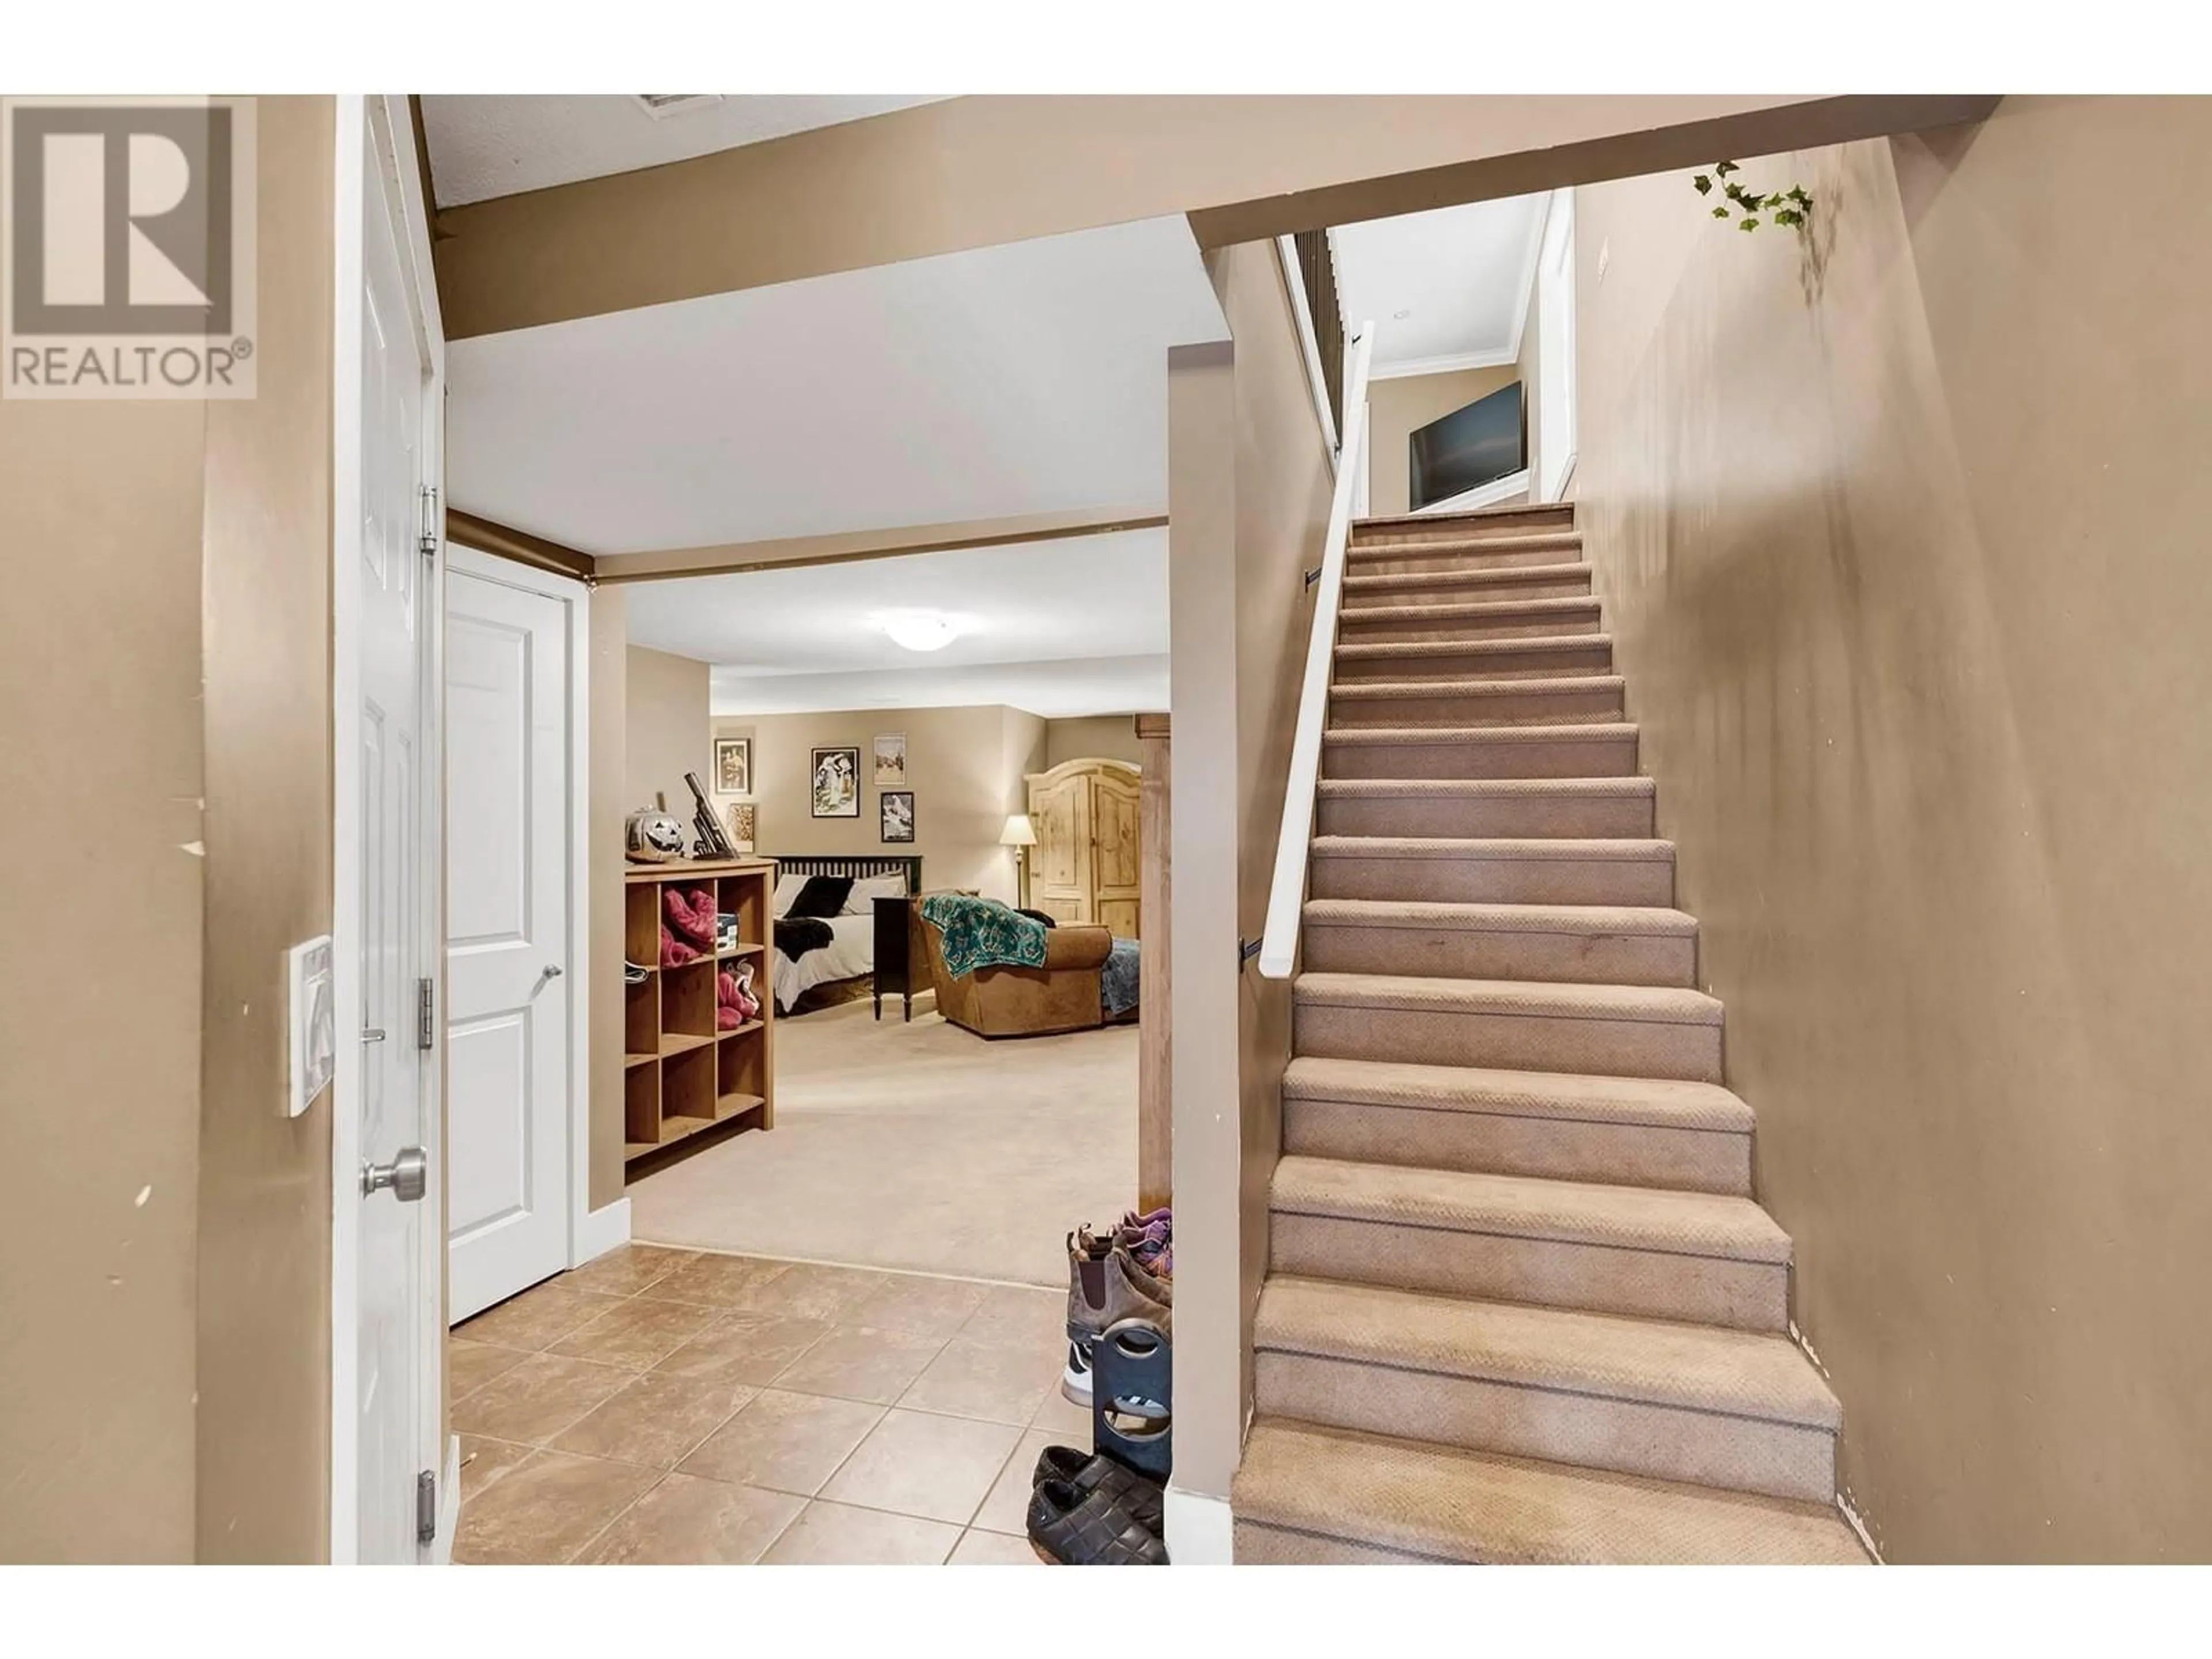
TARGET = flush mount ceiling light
(920,630)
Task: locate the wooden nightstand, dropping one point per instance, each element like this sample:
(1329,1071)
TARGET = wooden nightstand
(899,965)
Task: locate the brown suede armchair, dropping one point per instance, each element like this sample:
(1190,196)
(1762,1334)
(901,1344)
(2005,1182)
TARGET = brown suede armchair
(1008,1002)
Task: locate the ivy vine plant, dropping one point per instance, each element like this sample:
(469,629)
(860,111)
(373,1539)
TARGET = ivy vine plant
(1792,207)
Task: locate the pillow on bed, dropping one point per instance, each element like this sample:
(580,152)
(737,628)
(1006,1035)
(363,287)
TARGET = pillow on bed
(867,891)
(822,897)
(787,888)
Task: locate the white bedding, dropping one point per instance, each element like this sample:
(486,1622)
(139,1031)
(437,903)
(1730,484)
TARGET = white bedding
(851,951)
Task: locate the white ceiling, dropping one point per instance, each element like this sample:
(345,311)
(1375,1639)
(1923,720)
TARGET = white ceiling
(1028,378)
(481,147)
(1076,626)
(1462,274)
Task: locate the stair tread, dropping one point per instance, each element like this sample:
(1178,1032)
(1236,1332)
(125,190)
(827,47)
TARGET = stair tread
(1361,649)
(1703,1368)
(1476,515)
(1553,850)
(1656,1004)
(1480,576)
(1589,731)
(1469,611)
(1472,1506)
(1470,916)
(1664,1103)
(1487,788)
(1709,1224)
(1555,685)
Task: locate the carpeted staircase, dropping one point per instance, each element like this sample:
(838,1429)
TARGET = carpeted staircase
(1521,1306)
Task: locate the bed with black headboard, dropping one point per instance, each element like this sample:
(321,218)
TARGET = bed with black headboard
(849,953)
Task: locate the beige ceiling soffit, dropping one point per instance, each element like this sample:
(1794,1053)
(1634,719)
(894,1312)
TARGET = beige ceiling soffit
(733,558)
(979,172)
(1808,125)
(519,545)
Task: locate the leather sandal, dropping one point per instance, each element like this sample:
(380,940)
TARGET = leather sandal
(1094,1529)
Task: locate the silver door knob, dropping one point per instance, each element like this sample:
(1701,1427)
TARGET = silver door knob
(408,1175)
(550,970)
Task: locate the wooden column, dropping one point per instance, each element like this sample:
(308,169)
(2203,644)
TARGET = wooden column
(1155,1113)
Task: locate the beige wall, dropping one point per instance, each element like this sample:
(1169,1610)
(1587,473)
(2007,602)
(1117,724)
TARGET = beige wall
(265,1241)
(608,808)
(164,1232)
(1900,538)
(1250,484)
(1397,408)
(1093,737)
(971,172)
(101,775)
(964,766)
(667,724)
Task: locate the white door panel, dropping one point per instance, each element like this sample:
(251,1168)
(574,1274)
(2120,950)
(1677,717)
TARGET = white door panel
(389,1393)
(507,909)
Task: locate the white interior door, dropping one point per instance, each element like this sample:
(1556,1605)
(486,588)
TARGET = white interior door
(509,980)
(393,1394)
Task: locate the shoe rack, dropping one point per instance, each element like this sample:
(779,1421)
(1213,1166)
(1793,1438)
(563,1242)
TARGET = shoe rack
(681,1077)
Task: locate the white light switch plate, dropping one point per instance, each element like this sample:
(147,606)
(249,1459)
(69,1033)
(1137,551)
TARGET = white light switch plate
(311,1015)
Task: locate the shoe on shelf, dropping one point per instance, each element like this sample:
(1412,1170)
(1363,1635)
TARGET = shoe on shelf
(1095,1529)
(1105,1285)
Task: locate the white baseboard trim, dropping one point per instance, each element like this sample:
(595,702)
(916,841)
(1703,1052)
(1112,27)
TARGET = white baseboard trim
(449,1506)
(601,1231)
(1199,1532)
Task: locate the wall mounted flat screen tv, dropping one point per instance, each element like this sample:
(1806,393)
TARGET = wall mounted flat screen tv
(1468,447)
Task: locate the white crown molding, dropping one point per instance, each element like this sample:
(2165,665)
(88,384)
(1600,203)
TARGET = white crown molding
(1404,369)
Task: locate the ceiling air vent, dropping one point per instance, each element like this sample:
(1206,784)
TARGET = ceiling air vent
(662,105)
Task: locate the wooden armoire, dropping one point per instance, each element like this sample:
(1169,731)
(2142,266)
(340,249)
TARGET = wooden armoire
(1087,862)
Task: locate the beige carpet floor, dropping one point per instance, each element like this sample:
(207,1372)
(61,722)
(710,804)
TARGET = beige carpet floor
(915,1146)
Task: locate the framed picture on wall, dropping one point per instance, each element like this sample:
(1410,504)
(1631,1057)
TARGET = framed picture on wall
(836,783)
(733,766)
(898,808)
(743,816)
(891,758)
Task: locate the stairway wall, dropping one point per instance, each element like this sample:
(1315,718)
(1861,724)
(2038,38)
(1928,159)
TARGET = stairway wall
(1248,489)
(1898,539)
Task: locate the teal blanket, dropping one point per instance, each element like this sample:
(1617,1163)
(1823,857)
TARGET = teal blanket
(980,933)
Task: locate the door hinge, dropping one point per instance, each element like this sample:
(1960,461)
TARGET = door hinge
(426,1008)
(426,1506)
(427,528)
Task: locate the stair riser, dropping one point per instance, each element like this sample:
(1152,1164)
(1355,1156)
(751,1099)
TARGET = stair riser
(1412,559)
(1493,1143)
(1597,818)
(1510,1042)
(1474,757)
(1745,1296)
(1441,590)
(1463,953)
(1258,1544)
(1529,708)
(1449,663)
(1555,1424)
(1358,628)
(1477,880)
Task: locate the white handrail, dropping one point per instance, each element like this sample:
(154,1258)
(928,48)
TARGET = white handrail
(1278,943)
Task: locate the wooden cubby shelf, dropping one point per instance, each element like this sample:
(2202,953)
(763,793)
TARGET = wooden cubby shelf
(680,1074)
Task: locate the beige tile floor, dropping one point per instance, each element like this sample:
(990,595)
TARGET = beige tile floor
(670,1407)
